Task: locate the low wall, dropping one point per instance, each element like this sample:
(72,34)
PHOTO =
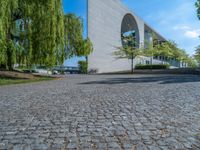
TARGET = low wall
(162,71)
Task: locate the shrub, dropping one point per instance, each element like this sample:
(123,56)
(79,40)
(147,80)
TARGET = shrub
(156,66)
(83,67)
(62,72)
(93,71)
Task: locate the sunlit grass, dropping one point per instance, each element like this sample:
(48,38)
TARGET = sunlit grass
(8,81)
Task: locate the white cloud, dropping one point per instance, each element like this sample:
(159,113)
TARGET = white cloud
(194,34)
(188,31)
(175,20)
(182,27)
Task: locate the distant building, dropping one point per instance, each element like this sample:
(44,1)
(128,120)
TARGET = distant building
(109,21)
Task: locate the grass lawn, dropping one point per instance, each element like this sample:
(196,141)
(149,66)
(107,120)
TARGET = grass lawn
(18,81)
(7,77)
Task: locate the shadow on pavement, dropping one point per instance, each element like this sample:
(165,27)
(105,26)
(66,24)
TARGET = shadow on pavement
(166,79)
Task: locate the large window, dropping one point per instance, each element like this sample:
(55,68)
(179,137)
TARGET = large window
(129,31)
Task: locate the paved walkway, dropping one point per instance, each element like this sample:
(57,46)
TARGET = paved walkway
(140,112)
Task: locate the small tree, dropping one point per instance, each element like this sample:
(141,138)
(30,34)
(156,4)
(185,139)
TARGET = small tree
(73,35)
(75,45)
(83,67)
(151,47)
(197,54)
(85,48)
(165,50)
(128,52)
(150,50)
(192,63)
(177,53)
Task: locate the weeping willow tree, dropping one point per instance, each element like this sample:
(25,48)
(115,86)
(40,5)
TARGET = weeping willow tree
(197,4)
(47,32)
(86,48)
(38,33)
(7,11)
(42,39)
(75,44)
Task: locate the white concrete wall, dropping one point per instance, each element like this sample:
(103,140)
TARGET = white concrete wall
(104,30)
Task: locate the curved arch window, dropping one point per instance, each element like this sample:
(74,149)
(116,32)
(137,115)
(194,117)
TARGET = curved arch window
(129,31)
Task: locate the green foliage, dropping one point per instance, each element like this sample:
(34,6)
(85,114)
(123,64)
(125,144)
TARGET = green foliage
(43,36)
(83,67)
(3,55)
(8,81)
(127,52)
(197,54)
(164,49)
(85,48)
(75,45)
(169,50)
(149,49)
(11,54)
(7,8)
(191,62)
(62,72)
(159,66)
(197,4)
(47,26)
(73,34)
(130,48)
(197,57)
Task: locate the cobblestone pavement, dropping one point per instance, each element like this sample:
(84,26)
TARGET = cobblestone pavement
(140,112)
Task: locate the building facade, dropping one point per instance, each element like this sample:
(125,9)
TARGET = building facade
(108,22)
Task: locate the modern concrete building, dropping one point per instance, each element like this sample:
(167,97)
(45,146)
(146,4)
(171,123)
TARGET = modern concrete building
(108,21)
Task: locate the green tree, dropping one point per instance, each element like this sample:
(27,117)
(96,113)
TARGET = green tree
(85,48)
(7,15)
(73,35)
(197,54)
(129,50)
(197,4)
(83,67)
(169,50)
(165,49)
(191,62)
(75,45)
(47,25)
(43,38)
(151,48)
(177,53)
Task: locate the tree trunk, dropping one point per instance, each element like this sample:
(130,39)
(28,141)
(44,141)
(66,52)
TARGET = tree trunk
(151,63)
(86,58)
(132,64)
(9,53)
(9,59)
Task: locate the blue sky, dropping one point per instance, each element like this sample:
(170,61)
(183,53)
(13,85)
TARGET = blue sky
(78,7)
(174,19)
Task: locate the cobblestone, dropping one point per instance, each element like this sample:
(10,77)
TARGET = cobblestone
(102,112)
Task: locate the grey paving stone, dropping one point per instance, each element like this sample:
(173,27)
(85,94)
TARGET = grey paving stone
(102,112)
(72,146)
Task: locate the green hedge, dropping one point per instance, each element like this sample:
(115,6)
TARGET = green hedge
(159,66)
(83,67)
